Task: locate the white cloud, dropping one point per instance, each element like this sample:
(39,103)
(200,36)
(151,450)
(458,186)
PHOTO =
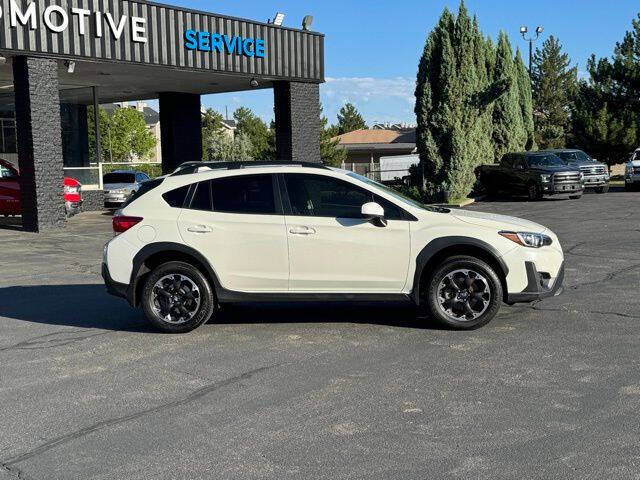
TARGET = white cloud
(366,89)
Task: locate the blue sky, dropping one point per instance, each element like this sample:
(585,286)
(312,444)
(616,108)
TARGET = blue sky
(372,47)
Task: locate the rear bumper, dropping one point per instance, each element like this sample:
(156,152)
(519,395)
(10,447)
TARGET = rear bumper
(536,288)
(115,288)
(113,204)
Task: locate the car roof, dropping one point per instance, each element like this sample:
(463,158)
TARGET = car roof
(196,167)
(558,150)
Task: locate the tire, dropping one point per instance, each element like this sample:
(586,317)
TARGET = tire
(603,189)
(533,192)
(438,290)
(183,285)
(575,197)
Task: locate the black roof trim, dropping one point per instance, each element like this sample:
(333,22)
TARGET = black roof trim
(191,167)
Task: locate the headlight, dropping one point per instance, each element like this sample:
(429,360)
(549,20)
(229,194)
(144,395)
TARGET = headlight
(545,178)
(528,239)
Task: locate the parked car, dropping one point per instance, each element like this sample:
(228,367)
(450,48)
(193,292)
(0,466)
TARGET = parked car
(632,171)
(187,243)
(534,174)
(596,174)
(10,199)
(119,185)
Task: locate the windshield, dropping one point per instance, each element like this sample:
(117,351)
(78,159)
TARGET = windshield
(116,177)
(549,160)
(396,194)
(574,157)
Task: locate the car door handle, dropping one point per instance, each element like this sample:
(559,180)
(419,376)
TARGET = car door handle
(302,230)
(199,229)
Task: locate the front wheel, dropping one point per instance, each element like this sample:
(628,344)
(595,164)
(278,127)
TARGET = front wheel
(177,297)
(534,192)
(575,197)
(603,189)
(463,293)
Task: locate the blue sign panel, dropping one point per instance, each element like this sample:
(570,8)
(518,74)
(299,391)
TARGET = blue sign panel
(214,42)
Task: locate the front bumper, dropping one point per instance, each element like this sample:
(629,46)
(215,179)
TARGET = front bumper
(537,286)
(560,189)
(594,181)
(114,288)
(632,178)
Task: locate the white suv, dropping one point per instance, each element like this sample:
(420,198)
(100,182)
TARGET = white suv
(214,233)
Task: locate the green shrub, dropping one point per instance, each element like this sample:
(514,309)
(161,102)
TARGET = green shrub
(151,169)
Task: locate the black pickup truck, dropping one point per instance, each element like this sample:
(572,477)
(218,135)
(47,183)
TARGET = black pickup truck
(534,174)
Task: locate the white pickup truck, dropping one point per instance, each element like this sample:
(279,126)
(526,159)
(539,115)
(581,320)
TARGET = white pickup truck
(632,171)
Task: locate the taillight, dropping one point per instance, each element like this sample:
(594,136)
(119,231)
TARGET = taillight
(122,223)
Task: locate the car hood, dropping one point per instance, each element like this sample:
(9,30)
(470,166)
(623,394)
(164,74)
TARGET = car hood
(499,222)
(558,168)
(118,186)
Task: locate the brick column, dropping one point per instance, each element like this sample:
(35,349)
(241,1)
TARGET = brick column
(37,102)
(297,112)
(180,129)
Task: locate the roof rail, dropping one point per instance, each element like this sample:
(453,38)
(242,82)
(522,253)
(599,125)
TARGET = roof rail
(192,167)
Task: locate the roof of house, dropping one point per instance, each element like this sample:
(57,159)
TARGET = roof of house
(376,137)
(230,124)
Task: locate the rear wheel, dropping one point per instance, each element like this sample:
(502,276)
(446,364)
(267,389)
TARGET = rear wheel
(534,192)
(463,293)
(177,297)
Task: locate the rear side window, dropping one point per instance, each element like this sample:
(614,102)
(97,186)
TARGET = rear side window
(175,198)
(202,197)
(145,187)
(116,177)
(249,194)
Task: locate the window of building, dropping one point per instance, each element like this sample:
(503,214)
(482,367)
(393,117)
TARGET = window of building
(8,135)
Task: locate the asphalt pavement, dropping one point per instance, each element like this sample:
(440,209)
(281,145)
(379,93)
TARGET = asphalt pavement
(550,390)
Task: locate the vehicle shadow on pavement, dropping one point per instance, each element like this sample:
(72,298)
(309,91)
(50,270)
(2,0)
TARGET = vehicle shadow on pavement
(378,313)
(85,306)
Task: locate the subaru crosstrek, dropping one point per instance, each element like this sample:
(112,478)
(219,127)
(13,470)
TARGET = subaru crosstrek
(215,233)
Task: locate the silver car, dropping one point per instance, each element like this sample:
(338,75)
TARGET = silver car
(119,185)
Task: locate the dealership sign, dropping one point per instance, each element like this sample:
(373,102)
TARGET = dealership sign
(56,19)
(215,42)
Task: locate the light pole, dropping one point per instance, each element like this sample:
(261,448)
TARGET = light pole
(531,39)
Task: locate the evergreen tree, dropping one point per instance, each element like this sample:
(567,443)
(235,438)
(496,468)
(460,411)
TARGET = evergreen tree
(525,101)
(467,105)
(330,153)
(509,134)
(606,109)
(349,119)
(554,83)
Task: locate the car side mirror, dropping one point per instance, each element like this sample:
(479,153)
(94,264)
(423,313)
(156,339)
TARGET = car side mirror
(372,210)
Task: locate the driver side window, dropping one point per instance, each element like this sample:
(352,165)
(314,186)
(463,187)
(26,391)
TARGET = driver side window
(320,196)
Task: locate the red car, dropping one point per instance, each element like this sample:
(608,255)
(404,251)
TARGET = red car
(10,192)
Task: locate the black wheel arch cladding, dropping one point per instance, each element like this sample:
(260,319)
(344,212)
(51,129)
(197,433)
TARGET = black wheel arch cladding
(443,247)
